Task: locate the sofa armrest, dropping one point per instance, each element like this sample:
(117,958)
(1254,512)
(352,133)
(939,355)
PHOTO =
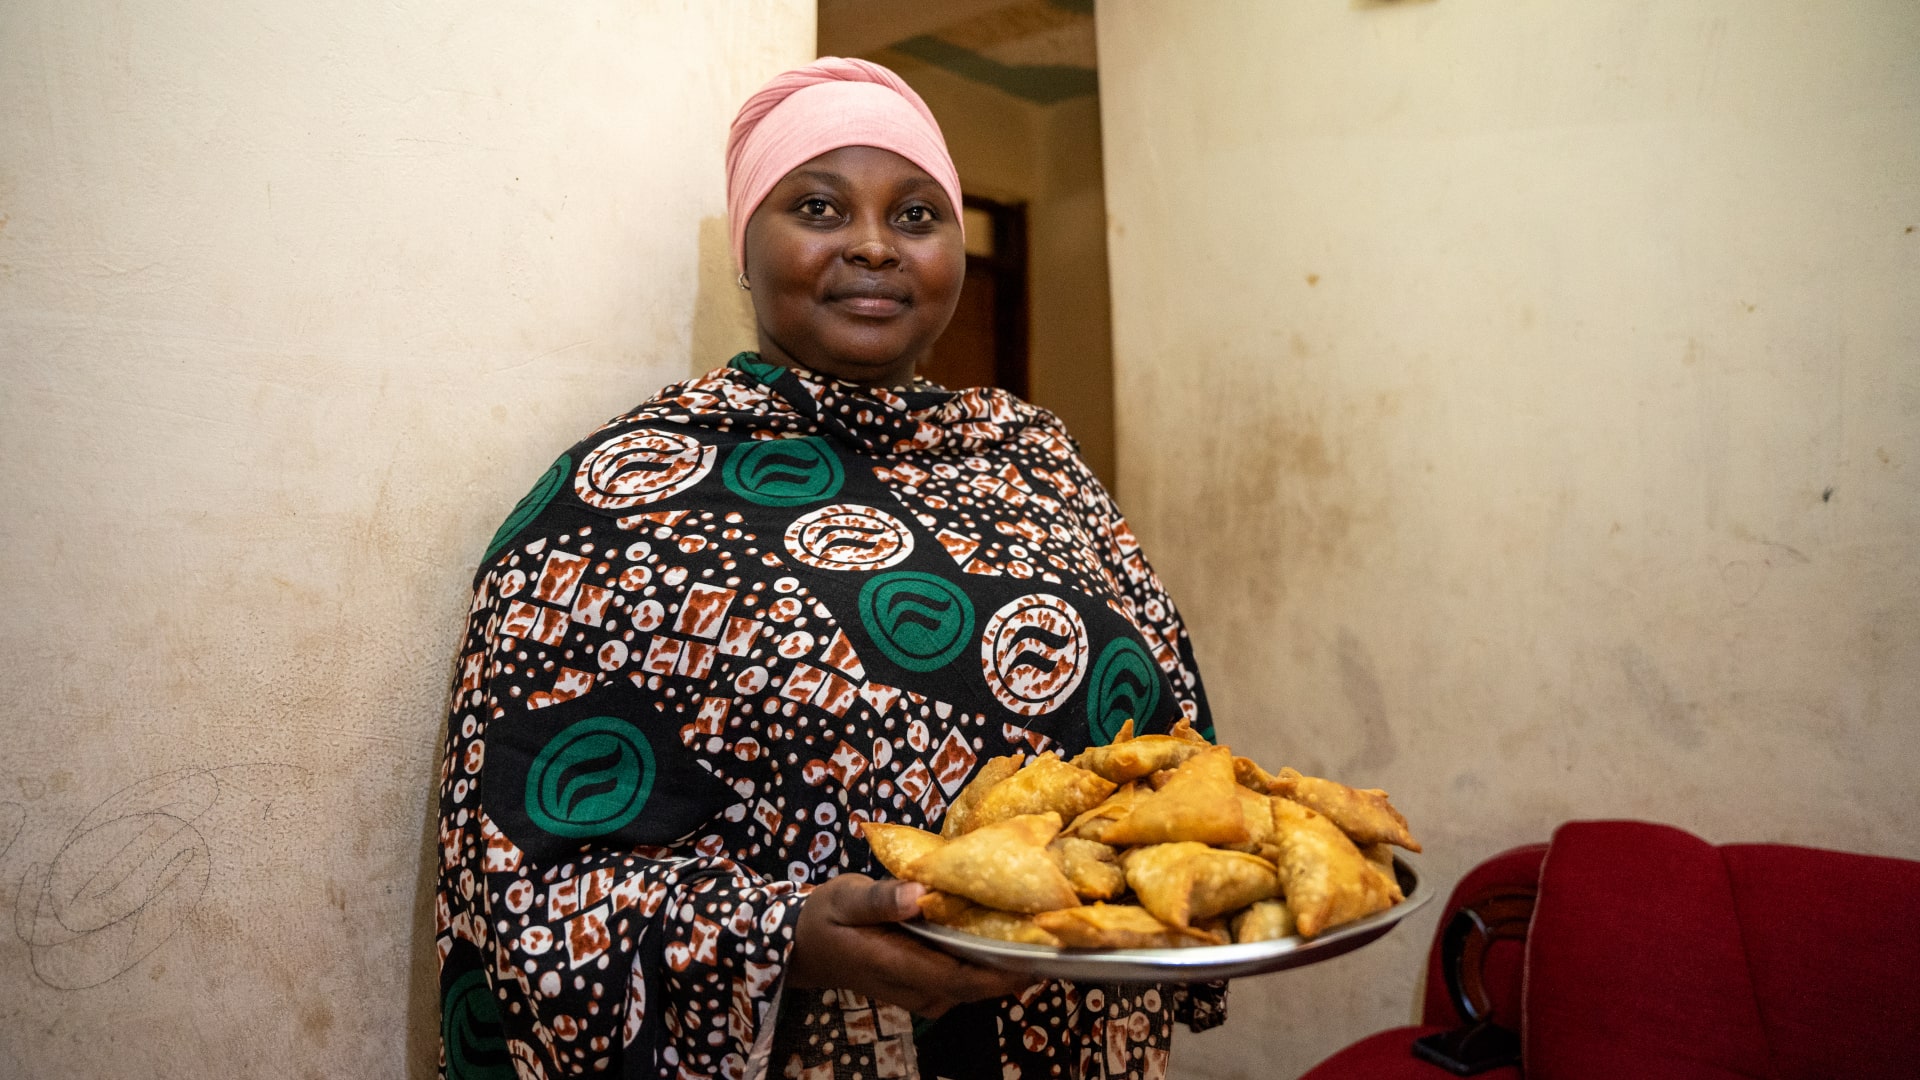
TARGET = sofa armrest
(1516,870)
(1499,914)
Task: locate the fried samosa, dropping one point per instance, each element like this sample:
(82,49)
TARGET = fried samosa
(1129,758)
(1093,824)
(1044,784)
(1362,813)
(1119,926)
(1183,730)
(1267,920)
(1183,882)
(941,907)
(1196,804)
(988,923)
(899,846)
(1326,880)
(1247,773)
(1380,856)
(1259,818)
(1003,865)
(1092,867)
(961,815)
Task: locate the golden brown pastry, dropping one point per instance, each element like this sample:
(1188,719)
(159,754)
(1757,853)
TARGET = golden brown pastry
(1326,880)
(1196,804)
(1092,867)
(898,846)
(1129,758)
(1093,824)
(1380,857)
(1249,774)
(1003,865)
(1045,784)
(1119,926)
(1267,920)
(1259,818)
(1362,813)
(1182,882)
(999,925)
(960,815)
(1183,730)
(939,907)
(1188,848)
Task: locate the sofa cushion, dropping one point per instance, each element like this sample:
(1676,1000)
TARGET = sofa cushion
(1388,1055)
(1833,947)
(1635,962)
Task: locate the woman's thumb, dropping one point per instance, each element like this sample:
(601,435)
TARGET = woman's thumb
(869,902)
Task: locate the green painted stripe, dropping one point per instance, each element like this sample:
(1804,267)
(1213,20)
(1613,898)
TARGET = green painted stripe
(1044,84)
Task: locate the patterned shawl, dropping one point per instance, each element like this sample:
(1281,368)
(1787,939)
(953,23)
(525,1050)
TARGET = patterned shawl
(717,634)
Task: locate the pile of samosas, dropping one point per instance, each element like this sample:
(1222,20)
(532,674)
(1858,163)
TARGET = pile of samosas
(1155,841)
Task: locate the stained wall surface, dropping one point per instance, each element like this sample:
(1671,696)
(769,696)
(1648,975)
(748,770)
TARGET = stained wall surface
(1521,401)
(295,301)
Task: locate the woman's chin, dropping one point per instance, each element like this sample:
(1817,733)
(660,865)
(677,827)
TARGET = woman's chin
(869,367)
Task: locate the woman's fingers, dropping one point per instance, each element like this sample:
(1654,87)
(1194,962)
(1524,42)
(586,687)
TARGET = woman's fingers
(862,901)
(843,940)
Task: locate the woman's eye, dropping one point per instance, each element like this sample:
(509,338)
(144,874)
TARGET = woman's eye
(917,215)
(816,208)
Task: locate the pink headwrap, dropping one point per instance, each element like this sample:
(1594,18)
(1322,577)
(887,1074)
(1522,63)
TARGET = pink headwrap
(830,103)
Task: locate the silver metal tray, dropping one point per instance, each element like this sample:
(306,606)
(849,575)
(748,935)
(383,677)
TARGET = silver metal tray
(1198,964)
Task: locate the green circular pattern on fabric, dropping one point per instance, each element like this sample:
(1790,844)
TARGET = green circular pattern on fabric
(1126,685)
(530,505)
(470,1032)
(784,472)
(920,621)
(591,778)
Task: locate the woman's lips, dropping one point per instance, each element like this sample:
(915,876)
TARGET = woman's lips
(873,307)
(870,299)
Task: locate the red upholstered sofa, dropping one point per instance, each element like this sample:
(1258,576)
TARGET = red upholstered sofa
(1631,951)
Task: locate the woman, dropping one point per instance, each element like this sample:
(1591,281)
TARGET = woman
(799,592)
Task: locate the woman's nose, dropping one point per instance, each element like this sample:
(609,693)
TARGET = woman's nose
(872,247)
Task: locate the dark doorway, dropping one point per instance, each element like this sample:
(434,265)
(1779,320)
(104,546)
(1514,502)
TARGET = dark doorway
(986,343)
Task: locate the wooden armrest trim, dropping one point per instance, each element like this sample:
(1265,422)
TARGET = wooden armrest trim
(1499,915)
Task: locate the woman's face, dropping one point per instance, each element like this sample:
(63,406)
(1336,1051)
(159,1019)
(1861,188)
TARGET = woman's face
(855,262)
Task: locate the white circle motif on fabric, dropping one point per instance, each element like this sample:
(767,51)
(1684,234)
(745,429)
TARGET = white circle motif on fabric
(849,537)
(1034,654)
(640,467)
(751,681)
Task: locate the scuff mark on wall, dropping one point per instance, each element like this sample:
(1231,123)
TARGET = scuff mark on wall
(13,818)
(133,871)
(1360,682)
(1670,716)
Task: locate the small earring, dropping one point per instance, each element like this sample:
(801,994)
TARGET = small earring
(742,281)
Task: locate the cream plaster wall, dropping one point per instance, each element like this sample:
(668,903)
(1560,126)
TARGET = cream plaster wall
(1071,338)
(1521,399)
(295,300)
(1048,157)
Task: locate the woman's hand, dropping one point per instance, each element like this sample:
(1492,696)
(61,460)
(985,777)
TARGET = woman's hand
(844,941)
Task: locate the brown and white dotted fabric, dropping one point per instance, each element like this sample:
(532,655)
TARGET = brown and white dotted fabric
(715,636)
